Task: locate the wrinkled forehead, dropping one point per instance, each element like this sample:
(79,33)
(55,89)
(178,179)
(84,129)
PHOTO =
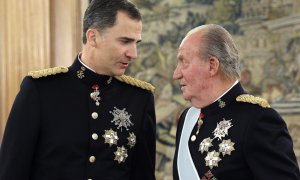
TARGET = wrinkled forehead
(187,52)
(190,45)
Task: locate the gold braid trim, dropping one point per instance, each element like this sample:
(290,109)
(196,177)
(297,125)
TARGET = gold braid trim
(254,100)
(47,72)
(135,82)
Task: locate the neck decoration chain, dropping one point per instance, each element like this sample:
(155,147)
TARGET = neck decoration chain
(199,124)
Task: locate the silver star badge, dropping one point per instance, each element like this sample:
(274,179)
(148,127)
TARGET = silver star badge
(222,104)
(121,118)
(131,140)
(205,144)
(212,159)
(80,73)
(226,147)
(222,129)
(121,154)
(110,137)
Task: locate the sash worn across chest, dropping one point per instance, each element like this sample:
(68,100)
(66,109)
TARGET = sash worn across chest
(185,165)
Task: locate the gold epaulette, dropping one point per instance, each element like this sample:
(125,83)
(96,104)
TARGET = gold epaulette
(135,82)
(252,99)
(47,72)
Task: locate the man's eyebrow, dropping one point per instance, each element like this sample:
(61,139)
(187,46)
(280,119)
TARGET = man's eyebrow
(129,39)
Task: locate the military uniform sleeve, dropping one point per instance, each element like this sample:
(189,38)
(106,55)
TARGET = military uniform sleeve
(144,154)
(21,134)
(269,148)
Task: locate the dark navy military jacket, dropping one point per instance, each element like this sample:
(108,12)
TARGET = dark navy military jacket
(256,142)
(79,125)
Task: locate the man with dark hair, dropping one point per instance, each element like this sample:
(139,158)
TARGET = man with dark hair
(226,134)
(87,121)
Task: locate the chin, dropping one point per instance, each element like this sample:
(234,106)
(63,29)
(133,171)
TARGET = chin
(119,73)
(187,98)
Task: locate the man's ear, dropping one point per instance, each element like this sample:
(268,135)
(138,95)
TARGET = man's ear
(91,37)
(214,65)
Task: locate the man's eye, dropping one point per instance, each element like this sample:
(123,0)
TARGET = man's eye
(125,41)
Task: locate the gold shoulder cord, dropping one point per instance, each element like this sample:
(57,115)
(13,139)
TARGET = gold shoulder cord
(135,82)
(48,72)
(254,100)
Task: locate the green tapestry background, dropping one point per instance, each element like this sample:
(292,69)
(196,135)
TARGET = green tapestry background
(267,33)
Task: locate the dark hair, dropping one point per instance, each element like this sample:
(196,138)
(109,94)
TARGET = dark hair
(101,14)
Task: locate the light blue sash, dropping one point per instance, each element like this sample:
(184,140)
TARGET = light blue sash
(185,164)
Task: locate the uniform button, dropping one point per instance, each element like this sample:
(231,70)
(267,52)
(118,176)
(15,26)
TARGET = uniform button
(94,115)
(92,159)
(95,136)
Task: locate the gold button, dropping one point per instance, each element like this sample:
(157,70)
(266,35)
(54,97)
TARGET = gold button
(95,136)
(94,115)
(92,159)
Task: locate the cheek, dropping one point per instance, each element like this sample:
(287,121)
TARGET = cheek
(196,79)
(113,48)
(192,75)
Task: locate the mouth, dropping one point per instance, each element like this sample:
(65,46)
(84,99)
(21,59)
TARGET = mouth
(182,87)
(124,65)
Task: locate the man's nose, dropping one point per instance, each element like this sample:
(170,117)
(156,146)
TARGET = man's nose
(177,73)
(132,52)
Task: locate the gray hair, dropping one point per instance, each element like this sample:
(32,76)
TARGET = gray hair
(216,41)
(101,14)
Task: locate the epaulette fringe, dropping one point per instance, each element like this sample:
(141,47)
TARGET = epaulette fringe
(48,72)
(254,100)
(135,82)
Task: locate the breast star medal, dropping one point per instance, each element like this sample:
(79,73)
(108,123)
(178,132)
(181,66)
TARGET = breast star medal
(222,129)
(121,154)
(226,147)
(205,145)
(121,118)
(131,140)
(212,159)
(110,137)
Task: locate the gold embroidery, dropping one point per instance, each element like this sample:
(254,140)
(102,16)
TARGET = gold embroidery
(80,73)
(254,100)
(135,82)
(222,104)
(47,72)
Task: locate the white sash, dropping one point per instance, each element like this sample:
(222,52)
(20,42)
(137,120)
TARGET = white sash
(185,164)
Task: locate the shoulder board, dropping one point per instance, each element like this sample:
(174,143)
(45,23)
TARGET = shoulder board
(48,72)
(135,82)
(254,100)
